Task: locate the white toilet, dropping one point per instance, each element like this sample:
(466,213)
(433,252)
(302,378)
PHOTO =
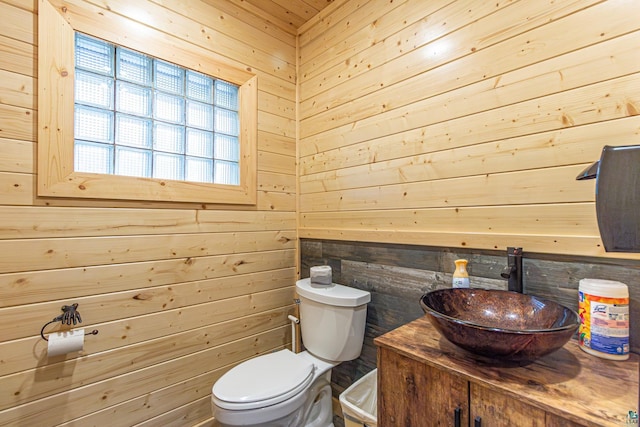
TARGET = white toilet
(293,390)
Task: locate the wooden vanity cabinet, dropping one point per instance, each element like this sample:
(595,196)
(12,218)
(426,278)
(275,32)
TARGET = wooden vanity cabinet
(425,381)
(415,394)
(411,393)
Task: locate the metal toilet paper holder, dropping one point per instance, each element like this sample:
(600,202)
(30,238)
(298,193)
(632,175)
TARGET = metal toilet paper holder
(69,315)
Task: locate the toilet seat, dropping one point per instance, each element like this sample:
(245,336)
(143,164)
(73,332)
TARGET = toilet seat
(263,381)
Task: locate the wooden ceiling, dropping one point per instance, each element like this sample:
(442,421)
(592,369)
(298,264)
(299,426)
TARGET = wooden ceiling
(292,13)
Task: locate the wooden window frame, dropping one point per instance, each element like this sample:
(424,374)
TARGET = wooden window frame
(56,77)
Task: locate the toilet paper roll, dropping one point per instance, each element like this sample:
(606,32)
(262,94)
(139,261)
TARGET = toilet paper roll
(321,275)
(65,342)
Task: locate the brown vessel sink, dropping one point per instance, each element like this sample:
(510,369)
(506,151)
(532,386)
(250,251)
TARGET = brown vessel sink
(498,324)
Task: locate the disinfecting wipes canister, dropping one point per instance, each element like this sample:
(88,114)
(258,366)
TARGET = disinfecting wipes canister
(604,318)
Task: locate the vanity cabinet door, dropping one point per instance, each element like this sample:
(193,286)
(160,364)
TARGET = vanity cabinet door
(494,409)
(413,394)
(490,408)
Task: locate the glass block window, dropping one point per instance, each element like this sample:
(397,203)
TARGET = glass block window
(139,116)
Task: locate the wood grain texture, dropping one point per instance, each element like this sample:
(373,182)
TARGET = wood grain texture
(398,275)
(53,253)
(186,332)
(496,409)
(56,174)
(412,112)
(17,123)
(28,5)
(18,23)
(91,221)
(100,395)
(196,41)
(568,383)
(149,407)
(403,401)
(161,344)
(25,320)
(552,420)
(17,56)
(17,156)
(32,287)
(417,41)
(18,90)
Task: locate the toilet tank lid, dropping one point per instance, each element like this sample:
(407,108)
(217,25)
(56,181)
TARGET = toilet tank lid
(334,294)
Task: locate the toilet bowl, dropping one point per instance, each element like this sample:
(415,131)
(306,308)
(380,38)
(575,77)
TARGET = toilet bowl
(285,389)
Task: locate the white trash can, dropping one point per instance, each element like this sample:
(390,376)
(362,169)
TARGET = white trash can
(360,402)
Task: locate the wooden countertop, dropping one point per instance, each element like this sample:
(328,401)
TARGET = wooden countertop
(569,382)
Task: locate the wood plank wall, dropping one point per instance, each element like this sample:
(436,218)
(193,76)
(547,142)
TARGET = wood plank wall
(178,292)
(464,123)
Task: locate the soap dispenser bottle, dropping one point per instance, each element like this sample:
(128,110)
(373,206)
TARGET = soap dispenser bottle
(460,275)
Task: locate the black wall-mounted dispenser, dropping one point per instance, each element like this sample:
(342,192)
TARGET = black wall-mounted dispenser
(617,176)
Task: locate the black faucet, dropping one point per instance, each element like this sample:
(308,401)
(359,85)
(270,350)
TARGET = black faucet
(513,270)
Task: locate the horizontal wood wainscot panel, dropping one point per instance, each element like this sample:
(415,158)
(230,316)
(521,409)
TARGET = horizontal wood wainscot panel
(272,201)
(18,90)
(18,23)
(100,395)
(39,286)
(273,162)
(549,244)
(278,144)
(17,156)
(150,406)
(188,414)
(276,104)
(18,57)
(16,189)
(571,219)
(420,159)
(276,201)
(376,74)
(612,99)
(277,87)
(401,29)
(276,182)
(523,187)
(149,340)
(591,65)
(31,6)
(89,251)
(354,63)
(45,222)
(17,123)
(26,320)
(276,124)
(273,97)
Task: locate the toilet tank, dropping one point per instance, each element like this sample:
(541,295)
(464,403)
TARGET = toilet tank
(332,319)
